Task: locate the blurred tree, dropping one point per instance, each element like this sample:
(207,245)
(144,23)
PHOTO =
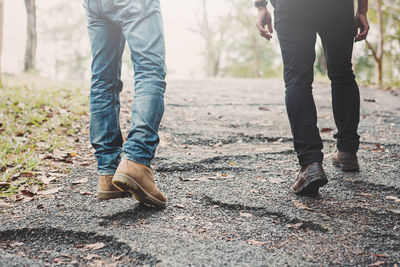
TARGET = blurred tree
(67,36)
(214,37)
(248,54)
(31,41)
(383,42)
(1,35)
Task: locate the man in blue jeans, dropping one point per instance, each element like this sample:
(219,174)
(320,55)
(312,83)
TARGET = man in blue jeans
(297,23)
(111,24)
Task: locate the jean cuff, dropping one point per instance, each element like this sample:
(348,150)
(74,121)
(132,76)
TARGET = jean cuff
(106,172)
(137,160)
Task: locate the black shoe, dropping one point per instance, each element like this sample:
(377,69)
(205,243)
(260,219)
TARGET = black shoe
(347,161)
(311,177)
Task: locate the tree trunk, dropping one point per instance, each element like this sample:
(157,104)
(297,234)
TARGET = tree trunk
(1,35)
(378,52)
(256,58)
(212,57)
(31,41)
(380,43)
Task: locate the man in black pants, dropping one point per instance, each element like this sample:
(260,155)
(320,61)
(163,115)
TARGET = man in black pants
(297,23)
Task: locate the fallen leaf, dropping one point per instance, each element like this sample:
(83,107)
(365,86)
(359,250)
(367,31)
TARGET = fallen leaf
(92,256)
(364,194)
(395,211)
(27,193)
(256,243)
(380,255)
(378,263)
(5,204)
(73,154)
(217,144)
(275,180)
(95,246)
(4,185)
(200,179)
(246,215)
(47,179)
(50,191)
(223,175)
(294,226)
(66,256)
(378,148)
(326,130)
(302,206)
(86,193)
(180,218)
(16,244)
(395,199)
(81,181)
(232,163)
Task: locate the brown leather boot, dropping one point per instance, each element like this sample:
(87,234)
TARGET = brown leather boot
(311,177)
(106,190)
(347,161)
(139,181)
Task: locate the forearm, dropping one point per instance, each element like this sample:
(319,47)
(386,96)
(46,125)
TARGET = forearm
(362,6)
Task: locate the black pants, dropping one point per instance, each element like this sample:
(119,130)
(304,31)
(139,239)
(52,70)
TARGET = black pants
(297,23)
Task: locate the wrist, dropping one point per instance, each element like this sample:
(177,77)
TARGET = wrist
(260,4)
(262,8)
(362,11)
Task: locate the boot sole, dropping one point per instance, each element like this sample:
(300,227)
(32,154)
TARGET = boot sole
(105,195)
(346,168)
(125,183)
(311,186)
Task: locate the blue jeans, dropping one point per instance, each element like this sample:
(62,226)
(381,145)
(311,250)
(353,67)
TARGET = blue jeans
(112,23)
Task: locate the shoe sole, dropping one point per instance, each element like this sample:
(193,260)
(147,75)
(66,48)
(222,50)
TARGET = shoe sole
(106,195)
(346,168)
(127,184)
(311,186)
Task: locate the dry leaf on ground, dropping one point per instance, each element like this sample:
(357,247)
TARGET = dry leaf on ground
(395,199)
(50,191)
(294,225)
(302,206)
(81,181)
(256,243)
(378,263)
(275,180)
(246,215)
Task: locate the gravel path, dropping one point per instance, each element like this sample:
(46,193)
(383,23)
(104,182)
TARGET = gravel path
(226,163)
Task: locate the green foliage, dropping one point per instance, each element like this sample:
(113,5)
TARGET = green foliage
(249,55)
(34,120)
(364,61)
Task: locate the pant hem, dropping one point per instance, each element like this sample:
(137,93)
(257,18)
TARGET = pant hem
(137,160)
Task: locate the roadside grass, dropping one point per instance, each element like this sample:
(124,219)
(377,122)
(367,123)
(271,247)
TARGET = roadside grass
(38,118)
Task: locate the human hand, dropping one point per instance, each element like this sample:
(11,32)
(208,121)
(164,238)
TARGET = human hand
(362,27)
(264,18)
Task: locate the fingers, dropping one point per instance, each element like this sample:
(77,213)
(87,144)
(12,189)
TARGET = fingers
(362,28)
(263,32)
(270,28)
(363,34)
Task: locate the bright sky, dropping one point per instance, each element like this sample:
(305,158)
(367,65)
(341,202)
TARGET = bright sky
(183,46)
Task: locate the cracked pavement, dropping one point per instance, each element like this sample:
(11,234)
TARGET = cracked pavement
(226,163)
